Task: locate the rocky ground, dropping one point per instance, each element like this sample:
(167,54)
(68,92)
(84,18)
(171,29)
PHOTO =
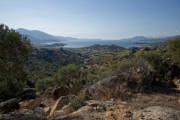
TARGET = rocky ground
(164,105)
(143,107)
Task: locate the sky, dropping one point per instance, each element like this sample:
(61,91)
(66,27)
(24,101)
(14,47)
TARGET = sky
(105,19)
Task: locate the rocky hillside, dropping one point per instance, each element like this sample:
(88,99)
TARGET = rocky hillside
(113,84)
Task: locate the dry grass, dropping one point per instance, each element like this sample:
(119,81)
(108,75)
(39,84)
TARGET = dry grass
(119,113)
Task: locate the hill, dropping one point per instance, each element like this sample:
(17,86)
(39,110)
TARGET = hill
(115,84)
(38,37)
(45,62)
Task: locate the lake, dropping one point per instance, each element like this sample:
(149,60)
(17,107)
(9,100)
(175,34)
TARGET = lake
(79,44)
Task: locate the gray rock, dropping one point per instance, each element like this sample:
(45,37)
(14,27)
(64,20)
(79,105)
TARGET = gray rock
(9,105)
(25,114)
(39,110)
(67,109)
(80,114)
(157,113)
(47,110)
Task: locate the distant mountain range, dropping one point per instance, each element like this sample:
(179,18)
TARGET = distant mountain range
(39,38)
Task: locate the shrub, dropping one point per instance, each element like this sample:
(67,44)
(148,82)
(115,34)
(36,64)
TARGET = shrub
(173,50)
(77,102)
(14,51)
(70,77)
(131,77)
(155,58)
(91,77)
(43,84)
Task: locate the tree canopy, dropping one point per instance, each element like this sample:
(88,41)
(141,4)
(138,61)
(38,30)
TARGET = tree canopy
(14,51)
(173,47)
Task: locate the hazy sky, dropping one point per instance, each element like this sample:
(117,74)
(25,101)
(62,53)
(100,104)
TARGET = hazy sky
(106,19)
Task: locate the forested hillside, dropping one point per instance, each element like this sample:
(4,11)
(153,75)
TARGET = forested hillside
(44,63)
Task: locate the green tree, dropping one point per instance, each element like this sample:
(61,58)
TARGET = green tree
(154,57)
(14,50)
(173,50)
(43,84)
(69,76)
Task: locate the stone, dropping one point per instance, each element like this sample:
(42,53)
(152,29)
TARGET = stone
(47,110)
(9,105)
(28,104)
(80,114)
(24,114)
(67,109)
(26,111)
(39,112)
(157,113)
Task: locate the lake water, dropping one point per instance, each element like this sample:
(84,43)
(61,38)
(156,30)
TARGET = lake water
(79,44)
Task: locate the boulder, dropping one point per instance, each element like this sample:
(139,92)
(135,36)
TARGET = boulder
(25,104)
(30,104)
(80,114)
(39,112)
(47,110)
(9,105)
(24,114)
(157,113)
(28,93)
(93,110)
(67,109)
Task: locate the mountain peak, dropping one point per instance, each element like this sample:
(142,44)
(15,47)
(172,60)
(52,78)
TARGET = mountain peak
(38,37)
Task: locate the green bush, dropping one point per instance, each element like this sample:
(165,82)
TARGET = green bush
(14,51)
(173,50)
(77,102)
(131,77)
(91,77)
(154,57)
(70,77)
(43,84)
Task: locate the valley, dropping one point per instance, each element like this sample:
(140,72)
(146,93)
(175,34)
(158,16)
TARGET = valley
(90,60)
(106,82)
